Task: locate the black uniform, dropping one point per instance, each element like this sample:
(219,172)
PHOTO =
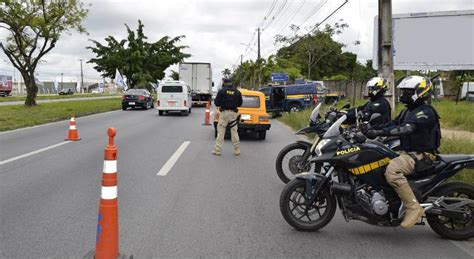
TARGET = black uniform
(378,105)
(228,98)
(418,128)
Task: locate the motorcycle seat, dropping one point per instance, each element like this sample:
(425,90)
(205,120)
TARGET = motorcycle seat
(453,158)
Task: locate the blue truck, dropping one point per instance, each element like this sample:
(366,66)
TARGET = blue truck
(290,98)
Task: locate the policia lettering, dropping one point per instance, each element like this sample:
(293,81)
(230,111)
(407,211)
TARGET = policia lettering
(347,151)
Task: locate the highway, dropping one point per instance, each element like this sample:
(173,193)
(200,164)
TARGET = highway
(204,206)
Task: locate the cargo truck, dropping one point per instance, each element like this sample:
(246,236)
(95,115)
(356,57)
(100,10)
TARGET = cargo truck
(6,85)
(199,76)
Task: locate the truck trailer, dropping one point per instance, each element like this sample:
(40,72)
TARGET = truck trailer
(198,75)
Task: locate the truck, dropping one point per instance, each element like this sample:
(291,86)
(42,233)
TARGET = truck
(290,98)
(6,85)
(198,76)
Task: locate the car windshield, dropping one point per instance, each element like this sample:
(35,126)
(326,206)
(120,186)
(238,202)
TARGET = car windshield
(250,101)
(333,131)
(135,92)
(171,89)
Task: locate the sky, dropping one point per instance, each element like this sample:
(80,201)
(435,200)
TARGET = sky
(218,31)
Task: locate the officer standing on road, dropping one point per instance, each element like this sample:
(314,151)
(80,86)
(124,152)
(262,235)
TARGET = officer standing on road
(228,100)
(377,104)
(420,135)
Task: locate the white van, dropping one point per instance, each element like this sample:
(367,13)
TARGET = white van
(174,96)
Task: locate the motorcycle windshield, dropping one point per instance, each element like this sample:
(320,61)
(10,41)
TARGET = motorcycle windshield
(333,131)
(315,113)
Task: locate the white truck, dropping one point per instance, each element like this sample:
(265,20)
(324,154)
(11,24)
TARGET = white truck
(198,75)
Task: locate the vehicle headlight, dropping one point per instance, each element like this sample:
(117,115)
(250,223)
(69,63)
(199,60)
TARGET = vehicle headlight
(320,145)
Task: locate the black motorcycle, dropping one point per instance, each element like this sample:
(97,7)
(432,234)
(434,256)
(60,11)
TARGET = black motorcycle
(352,177)
(294,158)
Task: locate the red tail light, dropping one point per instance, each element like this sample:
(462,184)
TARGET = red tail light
(141,97)
(123,97)
(185,103)
(158,103)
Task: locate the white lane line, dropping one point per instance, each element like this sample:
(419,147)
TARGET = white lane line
(170,163)
(32,153)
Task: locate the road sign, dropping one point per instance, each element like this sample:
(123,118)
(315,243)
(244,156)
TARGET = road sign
(279,77)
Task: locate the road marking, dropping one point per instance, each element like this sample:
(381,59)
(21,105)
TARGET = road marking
(32,153)
(170,163)
(466,246)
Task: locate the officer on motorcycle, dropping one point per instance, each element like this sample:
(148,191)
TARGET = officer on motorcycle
(419,131)
(228,100)
(377,104)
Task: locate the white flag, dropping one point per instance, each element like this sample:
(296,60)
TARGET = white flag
(119,80)
(56,84)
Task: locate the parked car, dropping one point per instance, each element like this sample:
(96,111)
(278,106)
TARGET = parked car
(65,92)
(140,98)
(174,96)
(253,115)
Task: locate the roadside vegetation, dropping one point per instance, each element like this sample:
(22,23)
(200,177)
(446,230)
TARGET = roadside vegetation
(19,116)
(55,96)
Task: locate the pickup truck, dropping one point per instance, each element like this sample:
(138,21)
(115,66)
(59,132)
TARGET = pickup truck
(289,98)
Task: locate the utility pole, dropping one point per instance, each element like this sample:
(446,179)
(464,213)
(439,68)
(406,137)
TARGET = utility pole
(62,81)
(385,51)
(258,60)
(309,65)
(82,78)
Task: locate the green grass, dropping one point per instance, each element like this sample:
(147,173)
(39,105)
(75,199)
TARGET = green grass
(53,96)
(459,146)
(19,116)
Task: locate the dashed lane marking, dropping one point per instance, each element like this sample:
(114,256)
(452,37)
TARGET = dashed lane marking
(32,153)
(173,159)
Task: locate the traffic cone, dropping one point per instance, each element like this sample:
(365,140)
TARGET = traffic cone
(207,115)
(72,134)
(107,239)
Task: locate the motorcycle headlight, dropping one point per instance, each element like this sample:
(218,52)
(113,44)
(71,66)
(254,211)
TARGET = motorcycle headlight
(320,145)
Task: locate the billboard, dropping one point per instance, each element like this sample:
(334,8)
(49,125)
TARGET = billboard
(279,77)
(431,41)
(6,83)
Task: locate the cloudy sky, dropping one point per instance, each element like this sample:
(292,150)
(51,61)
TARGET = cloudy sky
(217,31)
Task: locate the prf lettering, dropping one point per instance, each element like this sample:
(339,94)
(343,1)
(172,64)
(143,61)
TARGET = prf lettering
(347,151)
(229,92)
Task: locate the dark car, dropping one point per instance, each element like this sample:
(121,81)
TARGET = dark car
(66,92)
(137,98)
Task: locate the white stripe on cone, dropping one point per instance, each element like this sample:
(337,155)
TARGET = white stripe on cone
(110,166)
(72,119)
(73,127)
(108,192)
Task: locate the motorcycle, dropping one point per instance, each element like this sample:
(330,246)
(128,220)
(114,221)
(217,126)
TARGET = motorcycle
(352,178)
(294,158)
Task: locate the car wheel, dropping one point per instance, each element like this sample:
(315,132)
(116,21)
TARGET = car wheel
(152,104)
(190,110)
(124,107)
(294,107)
(160,113)
(262,134)
(145,107)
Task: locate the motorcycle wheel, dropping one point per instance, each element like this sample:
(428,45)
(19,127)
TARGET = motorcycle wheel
(454,228)
(287,160)
(295,212)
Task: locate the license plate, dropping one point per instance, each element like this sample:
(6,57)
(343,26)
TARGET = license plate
(131,103)
(245,117)
(172,103)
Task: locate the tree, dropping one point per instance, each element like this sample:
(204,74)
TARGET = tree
(33,28)
(140,61)
(226,73)
(174,75)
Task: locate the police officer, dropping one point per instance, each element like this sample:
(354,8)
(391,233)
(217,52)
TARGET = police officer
(377,104)
(419,131)
(228,100)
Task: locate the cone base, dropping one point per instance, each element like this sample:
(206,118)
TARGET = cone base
(66,139)
(91,255)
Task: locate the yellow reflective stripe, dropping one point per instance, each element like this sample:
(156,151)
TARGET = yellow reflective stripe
(296,96)
(363,169)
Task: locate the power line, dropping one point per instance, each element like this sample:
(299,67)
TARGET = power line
(268,13)
(276,15)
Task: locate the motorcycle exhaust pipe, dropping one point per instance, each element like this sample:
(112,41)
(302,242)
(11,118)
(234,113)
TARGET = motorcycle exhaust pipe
(341,188)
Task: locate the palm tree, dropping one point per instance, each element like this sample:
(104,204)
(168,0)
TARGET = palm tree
(226,73)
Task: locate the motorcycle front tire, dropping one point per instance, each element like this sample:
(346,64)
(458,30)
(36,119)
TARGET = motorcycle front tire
(279,160)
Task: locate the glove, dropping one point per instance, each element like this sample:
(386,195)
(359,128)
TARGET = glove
(374,133)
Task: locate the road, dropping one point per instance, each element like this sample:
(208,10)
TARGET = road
(206,206)
(59,100)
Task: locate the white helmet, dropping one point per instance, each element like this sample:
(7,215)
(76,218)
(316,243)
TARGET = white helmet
(414,88)
(376,85)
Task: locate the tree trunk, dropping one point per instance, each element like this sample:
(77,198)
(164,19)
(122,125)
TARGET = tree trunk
(31,89)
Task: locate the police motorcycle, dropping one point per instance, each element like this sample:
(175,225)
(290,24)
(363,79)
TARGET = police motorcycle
(294,158)
(352,177)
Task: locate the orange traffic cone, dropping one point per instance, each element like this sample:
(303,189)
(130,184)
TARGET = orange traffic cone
(72,134)
(207,115)
(107,239)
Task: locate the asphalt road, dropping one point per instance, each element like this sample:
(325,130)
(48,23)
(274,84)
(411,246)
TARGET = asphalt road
(206,206)
(59,100)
